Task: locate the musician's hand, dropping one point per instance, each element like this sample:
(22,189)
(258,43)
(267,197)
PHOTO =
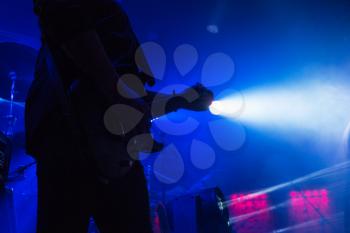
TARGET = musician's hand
(199,98)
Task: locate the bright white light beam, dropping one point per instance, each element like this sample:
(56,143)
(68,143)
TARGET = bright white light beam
(318,107)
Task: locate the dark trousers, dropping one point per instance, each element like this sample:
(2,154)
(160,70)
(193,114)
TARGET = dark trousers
(70,192)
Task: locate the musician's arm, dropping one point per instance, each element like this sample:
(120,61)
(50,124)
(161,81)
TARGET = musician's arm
(69,26)
(197,98)
(162,104)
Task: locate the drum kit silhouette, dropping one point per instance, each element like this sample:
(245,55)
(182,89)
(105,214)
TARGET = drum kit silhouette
(16,74)
(17,64)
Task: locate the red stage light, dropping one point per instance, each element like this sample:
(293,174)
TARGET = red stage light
(305,206)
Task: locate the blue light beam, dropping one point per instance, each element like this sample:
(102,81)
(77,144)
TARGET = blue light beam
(317,104)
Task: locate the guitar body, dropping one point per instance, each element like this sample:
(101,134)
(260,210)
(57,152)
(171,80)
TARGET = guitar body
(106,133)
(113,148)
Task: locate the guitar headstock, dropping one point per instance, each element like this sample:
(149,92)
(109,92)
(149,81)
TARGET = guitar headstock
(202,97)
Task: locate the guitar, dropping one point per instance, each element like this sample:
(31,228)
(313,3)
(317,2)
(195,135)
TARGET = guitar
(195,98)
(115,155)
(111,147)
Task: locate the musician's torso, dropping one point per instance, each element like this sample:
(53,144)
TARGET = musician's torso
(114,29)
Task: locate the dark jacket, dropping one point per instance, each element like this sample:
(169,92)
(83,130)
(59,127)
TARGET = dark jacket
(59,21)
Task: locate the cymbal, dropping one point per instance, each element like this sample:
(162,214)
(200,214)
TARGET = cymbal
(20,105)
(21,60)
(6,117)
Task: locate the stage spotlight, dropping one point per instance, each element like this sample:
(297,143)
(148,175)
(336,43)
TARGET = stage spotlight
(230,104)
(216,108)
(202,212)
